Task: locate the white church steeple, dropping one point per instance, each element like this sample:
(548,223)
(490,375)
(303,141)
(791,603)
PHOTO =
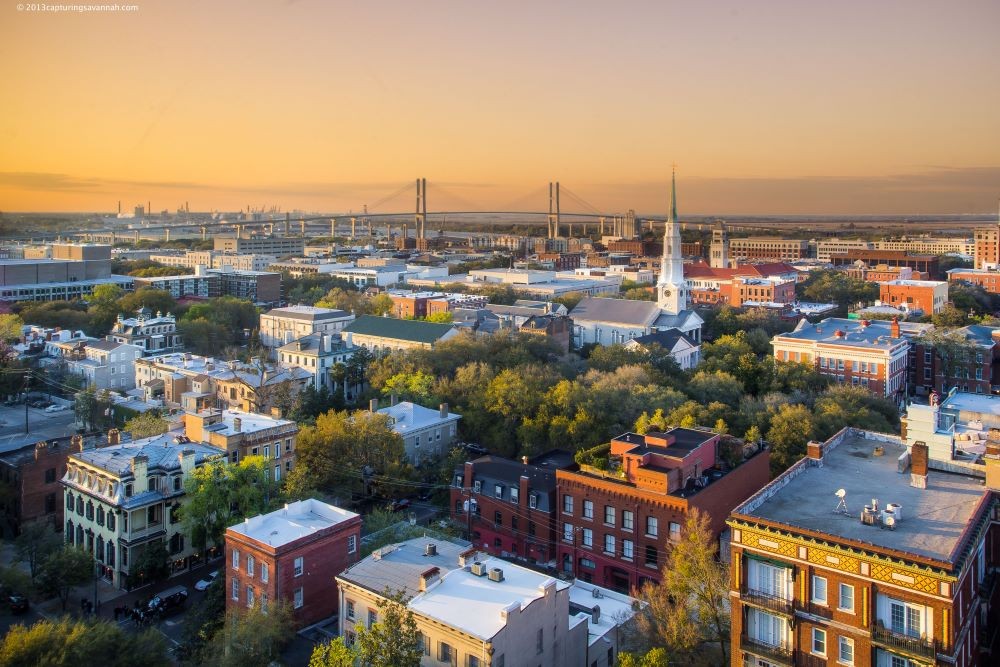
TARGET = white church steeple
(671,288)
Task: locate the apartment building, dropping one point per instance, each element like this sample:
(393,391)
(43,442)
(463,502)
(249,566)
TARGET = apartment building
(217,260)
(413,305)
(768,249)
(279,326)
(279,246)
(929,245)
(153,334)
(122,499)
(259,287)
(928,296)
(240,434)
(478,611)
(509,507)
(988,279)
(616,522)
(827,247)
(291,555)
(977,372)
(859,554)
(987,247)
(869,353)
(881,273)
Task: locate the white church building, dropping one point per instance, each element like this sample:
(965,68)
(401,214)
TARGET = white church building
(617,321)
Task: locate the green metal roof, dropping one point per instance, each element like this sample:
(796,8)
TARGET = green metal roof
(390,327)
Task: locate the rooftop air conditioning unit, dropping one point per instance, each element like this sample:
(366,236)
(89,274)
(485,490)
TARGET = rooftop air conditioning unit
(478,569)
(496,574)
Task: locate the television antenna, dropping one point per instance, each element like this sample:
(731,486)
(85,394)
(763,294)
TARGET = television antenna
(842,505)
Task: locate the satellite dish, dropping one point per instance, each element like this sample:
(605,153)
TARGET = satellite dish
(840,493)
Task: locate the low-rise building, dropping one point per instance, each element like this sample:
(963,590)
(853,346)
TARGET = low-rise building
(316,354)
(382,335)
(681,349)
(988,279)
(104,364)
(240,434)
(928,265)
(279,326)
(152,334)
(867,353)
(929,296)
(217,260)
(122,499)
(557,328)
(262,288)
(480,611)
(427,434)
(291,555)
(859,554)
(766,248)
(977,371)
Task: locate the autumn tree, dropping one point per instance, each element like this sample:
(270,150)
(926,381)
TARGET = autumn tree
(146,425)
(348,453)
(10,327)
(689,608)
(81,642)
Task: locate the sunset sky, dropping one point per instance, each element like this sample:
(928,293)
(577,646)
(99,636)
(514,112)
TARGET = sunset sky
(788,107)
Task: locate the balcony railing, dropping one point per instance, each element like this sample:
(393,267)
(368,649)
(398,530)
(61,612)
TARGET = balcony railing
(898,642)
(781,655)
(767,601)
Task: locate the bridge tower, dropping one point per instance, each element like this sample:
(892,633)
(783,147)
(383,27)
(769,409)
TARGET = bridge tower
(354,227)
(554,211)
(420,217)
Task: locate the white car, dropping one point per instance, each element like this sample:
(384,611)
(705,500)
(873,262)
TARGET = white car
(207,581)
(55,408)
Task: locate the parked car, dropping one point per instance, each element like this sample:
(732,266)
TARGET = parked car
(55,408)
(202,584)
(18,603)
(168,600)
(400,505)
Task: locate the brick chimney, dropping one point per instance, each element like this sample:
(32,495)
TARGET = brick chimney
(814,450)
(918,465)
(114,437)
(140,469)
(76,443)
(443,410)
(894,328)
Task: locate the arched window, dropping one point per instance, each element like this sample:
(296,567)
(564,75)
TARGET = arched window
(100,515)
(90,510)
(69,531)
(99,551)
(69,501)
(111,520)
(79,535)
(109,558)
(79,505)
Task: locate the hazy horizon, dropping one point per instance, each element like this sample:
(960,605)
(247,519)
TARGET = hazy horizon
(771,108)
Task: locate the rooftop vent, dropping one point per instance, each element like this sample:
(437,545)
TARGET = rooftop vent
(496,574)
(478,569)
(430,549)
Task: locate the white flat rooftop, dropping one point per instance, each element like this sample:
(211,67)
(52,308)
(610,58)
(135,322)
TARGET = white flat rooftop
(295,521)
(473,604)
(986,404)
(250,422)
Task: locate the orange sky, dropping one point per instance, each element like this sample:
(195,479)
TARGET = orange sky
(767,107)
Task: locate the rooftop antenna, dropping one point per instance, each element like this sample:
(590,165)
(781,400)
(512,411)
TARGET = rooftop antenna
(842,505)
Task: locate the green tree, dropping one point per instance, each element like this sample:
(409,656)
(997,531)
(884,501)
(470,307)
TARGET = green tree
(155,300)
(64,570)
(146,425)
(382,304)
(791,428)
(10,327)
(202,621)
(36,543)
(334,653)
(414,387)
(442,317)
(68,642)
(93,409)
(394,639)
(150,565)
(334,455)
(251,637)
(718,386)
(219,494)
(690,606)
(656,657)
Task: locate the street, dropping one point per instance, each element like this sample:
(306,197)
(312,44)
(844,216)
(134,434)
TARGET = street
(41,426)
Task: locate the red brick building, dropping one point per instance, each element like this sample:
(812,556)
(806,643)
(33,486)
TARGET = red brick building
(615,528)
(977,373)
(989,280)
(929,296)
(30,479)
(928,265)
(513,504)
(291,555)
(558,328)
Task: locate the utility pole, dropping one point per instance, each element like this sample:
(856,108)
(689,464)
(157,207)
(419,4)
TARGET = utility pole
(27,382)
